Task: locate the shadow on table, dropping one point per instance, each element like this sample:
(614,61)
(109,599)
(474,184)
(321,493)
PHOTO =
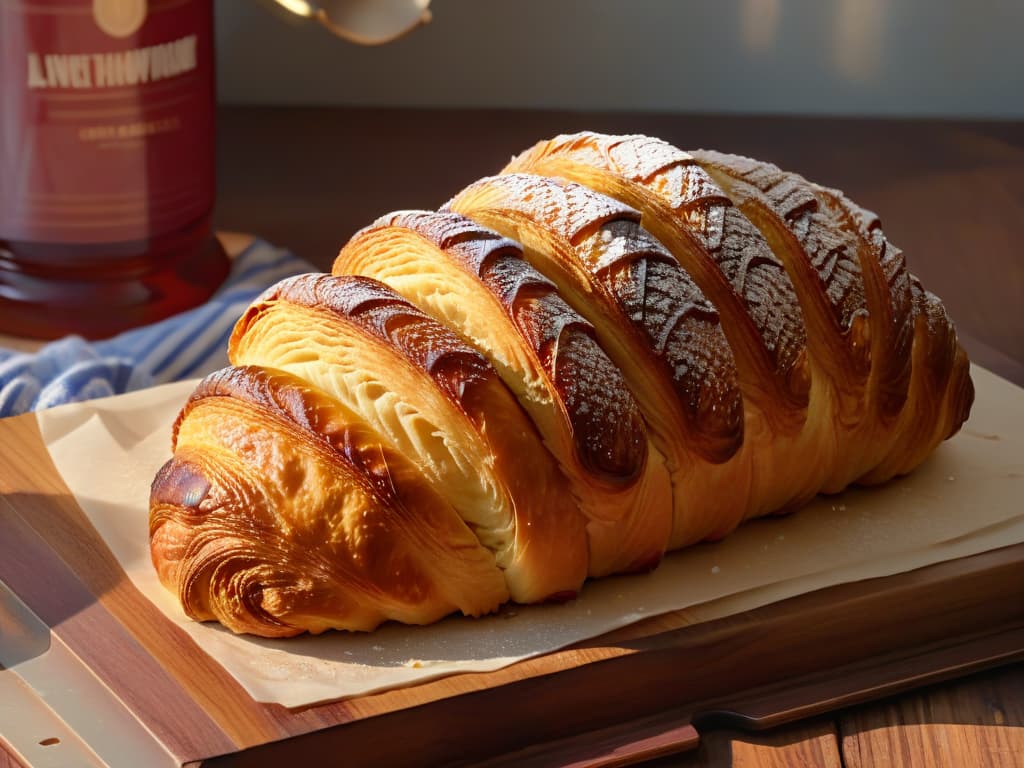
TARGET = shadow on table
(53,567)
(975,720)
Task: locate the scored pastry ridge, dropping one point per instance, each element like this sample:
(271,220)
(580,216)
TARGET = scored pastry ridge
(548,356)
(438,401)
(282,512)
(610,349)
(666,340)
(695,219)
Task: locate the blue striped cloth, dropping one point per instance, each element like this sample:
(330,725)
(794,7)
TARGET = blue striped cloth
(187,345)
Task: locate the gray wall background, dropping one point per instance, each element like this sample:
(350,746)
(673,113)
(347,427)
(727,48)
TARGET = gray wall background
(956,58)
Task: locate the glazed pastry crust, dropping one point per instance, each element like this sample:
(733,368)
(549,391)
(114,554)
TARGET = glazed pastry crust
(282,512)
(471,278)
(611,349)
(863,415)
(653,321)
(438,401)
(695,219)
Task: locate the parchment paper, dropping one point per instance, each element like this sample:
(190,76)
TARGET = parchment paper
(966,499)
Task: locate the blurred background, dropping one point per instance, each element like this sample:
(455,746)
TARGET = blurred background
(944,58)
(912,107)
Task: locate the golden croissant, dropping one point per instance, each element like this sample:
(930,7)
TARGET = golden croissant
(609,350)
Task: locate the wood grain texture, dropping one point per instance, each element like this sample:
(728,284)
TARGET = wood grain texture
(636,672)
(914,173)
(807,745)
(668,733)
(82,589)
(978,721)
(7,759)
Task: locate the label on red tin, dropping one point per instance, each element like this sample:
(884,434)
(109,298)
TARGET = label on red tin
(106,118)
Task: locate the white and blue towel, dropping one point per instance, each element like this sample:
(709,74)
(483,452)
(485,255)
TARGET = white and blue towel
(190,344)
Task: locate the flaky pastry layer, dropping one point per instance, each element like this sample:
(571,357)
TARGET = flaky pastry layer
(476,281)
(283,512)
(611,349)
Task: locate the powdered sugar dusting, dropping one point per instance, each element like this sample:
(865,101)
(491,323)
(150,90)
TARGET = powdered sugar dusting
(618,241)
(761,281)
(757,276)
(831,250)
(683,330)
(496,260)
(685,186)
(638,158)
(643,156)
(680,324)
(564,207)
(707,222)
(658,165)
(449,231)
(508,277)
(611,437)
(380,311)
(894,333)
(607,428)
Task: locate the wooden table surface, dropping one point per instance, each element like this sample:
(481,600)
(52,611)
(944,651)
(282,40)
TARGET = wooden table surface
(951,194)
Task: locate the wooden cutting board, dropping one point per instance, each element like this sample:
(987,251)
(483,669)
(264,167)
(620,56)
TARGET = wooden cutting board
(119,684)
(646,690)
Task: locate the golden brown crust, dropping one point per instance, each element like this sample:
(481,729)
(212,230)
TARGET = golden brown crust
(612,448)
(548,356)
(737,272)
(458,433)
(557,343)
(920,390)
(821,258)
(436,399)
(726,256)
(888,293)
(378,311)
(853,285)
(282,512)
(651,319)
(628,286)
(940,395)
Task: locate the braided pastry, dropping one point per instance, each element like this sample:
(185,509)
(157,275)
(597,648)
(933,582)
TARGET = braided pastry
(609,350)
